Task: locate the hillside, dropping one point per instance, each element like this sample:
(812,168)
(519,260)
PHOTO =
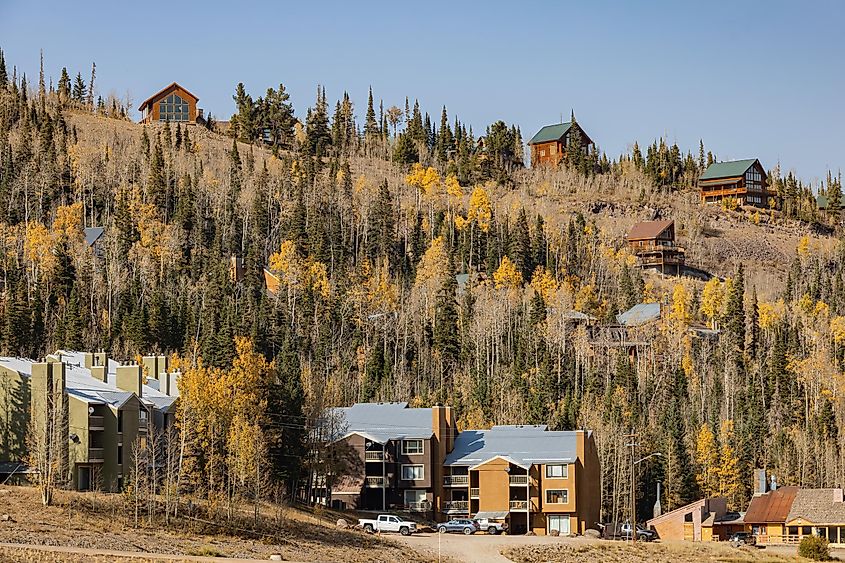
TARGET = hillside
(366,227)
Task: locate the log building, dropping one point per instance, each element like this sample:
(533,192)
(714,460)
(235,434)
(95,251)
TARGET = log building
(653,243)
(744,180)
(174,104)
(548,146)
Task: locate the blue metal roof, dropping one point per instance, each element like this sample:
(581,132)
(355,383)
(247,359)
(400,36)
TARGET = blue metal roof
(639,314)
(522,445)
(382,422)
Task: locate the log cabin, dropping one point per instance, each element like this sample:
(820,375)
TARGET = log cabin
(653,243)
(548,146)
(173,103)
(744,180)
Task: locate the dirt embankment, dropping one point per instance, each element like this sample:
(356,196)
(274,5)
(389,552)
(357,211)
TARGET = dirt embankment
(104,522)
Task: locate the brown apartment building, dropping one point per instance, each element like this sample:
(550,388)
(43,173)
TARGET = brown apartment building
(415,459)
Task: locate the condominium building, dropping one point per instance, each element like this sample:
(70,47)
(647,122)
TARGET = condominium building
(100,410)
(416,459)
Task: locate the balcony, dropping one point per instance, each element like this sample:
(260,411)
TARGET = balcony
(96,422)
(375,481)
(95,455)
(474,492)
(518,479)
(519,505)
(421,506)
(142,425)
(459,506)
(455,480)
(374,456)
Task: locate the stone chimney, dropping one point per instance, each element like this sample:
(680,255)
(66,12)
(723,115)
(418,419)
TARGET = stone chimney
(155,366)
(129,378)
(88,358)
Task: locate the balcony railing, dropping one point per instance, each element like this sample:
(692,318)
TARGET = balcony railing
(519,505)
(421,506)
(455,480)
(518,479)
(374,456)
(96,422)
(95,454)
(456,505)
(142,425)
(375,481)
(474,492)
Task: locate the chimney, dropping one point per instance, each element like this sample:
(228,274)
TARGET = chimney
(154,366)
(47,392)
(129,378)
(100,359)
(199,112)
(759,484)
(88,359)
(837,495)
(100,373)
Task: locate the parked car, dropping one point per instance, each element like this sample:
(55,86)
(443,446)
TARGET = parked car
(388,523)
(463,525)
(742,538)
(491,526)
(613,531)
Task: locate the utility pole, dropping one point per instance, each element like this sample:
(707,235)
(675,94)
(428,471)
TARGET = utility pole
(632,437)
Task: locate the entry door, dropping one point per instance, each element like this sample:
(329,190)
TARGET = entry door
(83,478)
(560,523)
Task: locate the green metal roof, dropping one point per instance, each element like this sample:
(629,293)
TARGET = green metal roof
(822,200)
(550,133)
(730,169)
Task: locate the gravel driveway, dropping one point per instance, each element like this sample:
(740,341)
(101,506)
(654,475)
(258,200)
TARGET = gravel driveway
(477,548)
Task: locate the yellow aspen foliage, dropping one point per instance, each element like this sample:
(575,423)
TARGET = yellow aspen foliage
(318,279)
(712,299)
(771,314)
(803,248)
(806,305)
(362,186)
(286,263)
(837,329)
(68,222)
(687,362)
(424,179)
(434,264)
(821,311)
(649,293)
(246,450)
(585,299)
(544,283)
(453,188)
(480,209)
(38,247)
(730,477)
(680,311)
(707,460)
(506,275)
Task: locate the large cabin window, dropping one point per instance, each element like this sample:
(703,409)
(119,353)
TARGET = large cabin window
(173,108)
(753,179)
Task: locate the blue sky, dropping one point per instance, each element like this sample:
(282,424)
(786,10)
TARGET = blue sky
(759,79)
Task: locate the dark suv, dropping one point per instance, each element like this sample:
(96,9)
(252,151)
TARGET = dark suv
(742,538)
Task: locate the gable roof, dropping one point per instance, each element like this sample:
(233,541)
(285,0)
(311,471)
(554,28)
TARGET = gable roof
(166,90)
(521,445)
(93,234)
(550,133)
(649,229)
(639,314)
(817,506)
(382,422)
(729,169)
(772,507)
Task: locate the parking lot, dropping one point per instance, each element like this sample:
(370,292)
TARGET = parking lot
(477,548)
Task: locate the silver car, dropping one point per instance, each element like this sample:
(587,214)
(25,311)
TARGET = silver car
(462,525)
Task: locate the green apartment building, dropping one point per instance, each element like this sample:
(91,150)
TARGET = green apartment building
(103,409)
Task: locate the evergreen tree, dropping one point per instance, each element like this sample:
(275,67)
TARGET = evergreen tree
(80,92)
(446,338)
(318,136)
(4,75)
(371,127)
(381,226)
(520,247)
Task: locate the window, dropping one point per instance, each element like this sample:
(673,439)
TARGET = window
(415,498)
(559,522)
(119,454)
(557,496)
(412,447)
(173,108)
(412,473)
(120,421)
(557,471)
(542,152)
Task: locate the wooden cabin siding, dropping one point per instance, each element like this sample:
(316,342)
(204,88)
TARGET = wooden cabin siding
(152,113)
(715,190)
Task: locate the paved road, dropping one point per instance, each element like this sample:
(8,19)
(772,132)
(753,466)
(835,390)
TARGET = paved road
(124,555)
(477,548)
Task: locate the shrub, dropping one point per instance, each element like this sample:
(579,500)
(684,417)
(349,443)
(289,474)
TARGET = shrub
(206,551)
(815,548)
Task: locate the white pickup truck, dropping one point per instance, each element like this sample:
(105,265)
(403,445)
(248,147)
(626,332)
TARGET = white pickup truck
(388,523)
